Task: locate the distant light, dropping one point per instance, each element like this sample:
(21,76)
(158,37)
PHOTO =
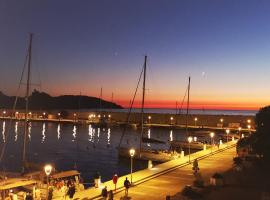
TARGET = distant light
(149,117)
(75,114)
(212,134)
(59,114)
(30,113)
(17,113)
(171,118)
(189,139)
(44,113)
(239,129)
(195,119)
(109,116)
(4,112)
(249,126)
(195,139)
(221,120)
(99,116)
(227,131)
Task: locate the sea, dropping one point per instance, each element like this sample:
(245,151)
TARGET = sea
(86,148)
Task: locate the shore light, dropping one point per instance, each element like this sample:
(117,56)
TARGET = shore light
(227,132)
(195,120)
(189,141)
(212,134)
(131,153)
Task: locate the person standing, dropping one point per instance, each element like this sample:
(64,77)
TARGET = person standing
(110,195)
(114,179)
(127,185)
(104,193)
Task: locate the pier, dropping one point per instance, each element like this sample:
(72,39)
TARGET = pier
(168,178)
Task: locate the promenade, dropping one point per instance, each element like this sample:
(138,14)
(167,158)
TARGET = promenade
(168,178)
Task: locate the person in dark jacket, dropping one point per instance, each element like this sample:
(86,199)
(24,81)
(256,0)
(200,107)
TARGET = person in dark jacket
(104,193)
(127,185)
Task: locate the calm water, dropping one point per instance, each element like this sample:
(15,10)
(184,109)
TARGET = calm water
(91,149)
(191,111)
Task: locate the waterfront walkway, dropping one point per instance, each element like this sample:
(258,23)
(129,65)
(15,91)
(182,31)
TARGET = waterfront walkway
(168,178)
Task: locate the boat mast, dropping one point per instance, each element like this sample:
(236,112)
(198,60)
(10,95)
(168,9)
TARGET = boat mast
(26,123)
(187,107)
(143,95)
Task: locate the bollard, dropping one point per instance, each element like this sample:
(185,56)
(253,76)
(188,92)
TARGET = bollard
(182,154)
(204,147)
(150,164)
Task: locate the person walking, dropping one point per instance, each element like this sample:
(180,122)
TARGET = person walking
(127,185)
(104,193)
(195,166)
(110,195)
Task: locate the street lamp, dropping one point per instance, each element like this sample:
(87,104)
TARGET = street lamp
(149,119)
(171,120)
(4,113)
(195,120)
(189,141)
(48,170)
(221,120)
(227,131)
(212,134)
(239,130)
(249,127)
(131,153)
(248,121)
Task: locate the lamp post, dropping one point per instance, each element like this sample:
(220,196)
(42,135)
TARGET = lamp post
(59,115)
(131,153)
(4,113)
(227,132)
(149,119)
(221,121)
(189,141)
(195,121)
(171,120)
(249,127)
(47,170)
(212,134)
(239,130)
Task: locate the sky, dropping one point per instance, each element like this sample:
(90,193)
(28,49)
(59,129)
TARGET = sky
(80,46)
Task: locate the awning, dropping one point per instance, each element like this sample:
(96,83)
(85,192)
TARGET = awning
(14,183)
(65,174)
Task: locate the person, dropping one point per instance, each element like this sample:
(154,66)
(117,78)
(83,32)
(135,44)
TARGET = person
(104,193)
(115,178)
(127,185)
(110,195)
(71,191)
(195,165)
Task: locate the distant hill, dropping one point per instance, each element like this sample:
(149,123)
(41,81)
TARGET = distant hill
(43,101)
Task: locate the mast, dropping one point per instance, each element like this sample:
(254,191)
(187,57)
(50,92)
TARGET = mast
(26,123)
(187,106)
(143,96)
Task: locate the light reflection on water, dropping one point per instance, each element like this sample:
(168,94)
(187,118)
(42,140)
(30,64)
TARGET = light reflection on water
(3,131)
(95,148)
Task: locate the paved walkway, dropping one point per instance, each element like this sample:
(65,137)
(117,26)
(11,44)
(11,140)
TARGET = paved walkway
(165,178)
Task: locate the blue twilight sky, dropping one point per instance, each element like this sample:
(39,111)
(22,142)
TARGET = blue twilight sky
(81,45)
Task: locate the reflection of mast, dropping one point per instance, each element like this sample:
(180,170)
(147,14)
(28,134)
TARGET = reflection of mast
(143,95)
(26,125)
(187,106)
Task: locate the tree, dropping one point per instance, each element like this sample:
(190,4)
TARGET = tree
(261,138)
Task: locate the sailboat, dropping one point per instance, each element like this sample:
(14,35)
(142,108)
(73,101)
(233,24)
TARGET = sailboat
(184,144)
(142,154)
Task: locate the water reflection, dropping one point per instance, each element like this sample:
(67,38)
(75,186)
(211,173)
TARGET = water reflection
(171,135)
(16,132)
(74,133)
(58,131)
(43,133)
(3,131)
(90,133)
(149,136)
(29,130)
(98,133)
(109,136)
